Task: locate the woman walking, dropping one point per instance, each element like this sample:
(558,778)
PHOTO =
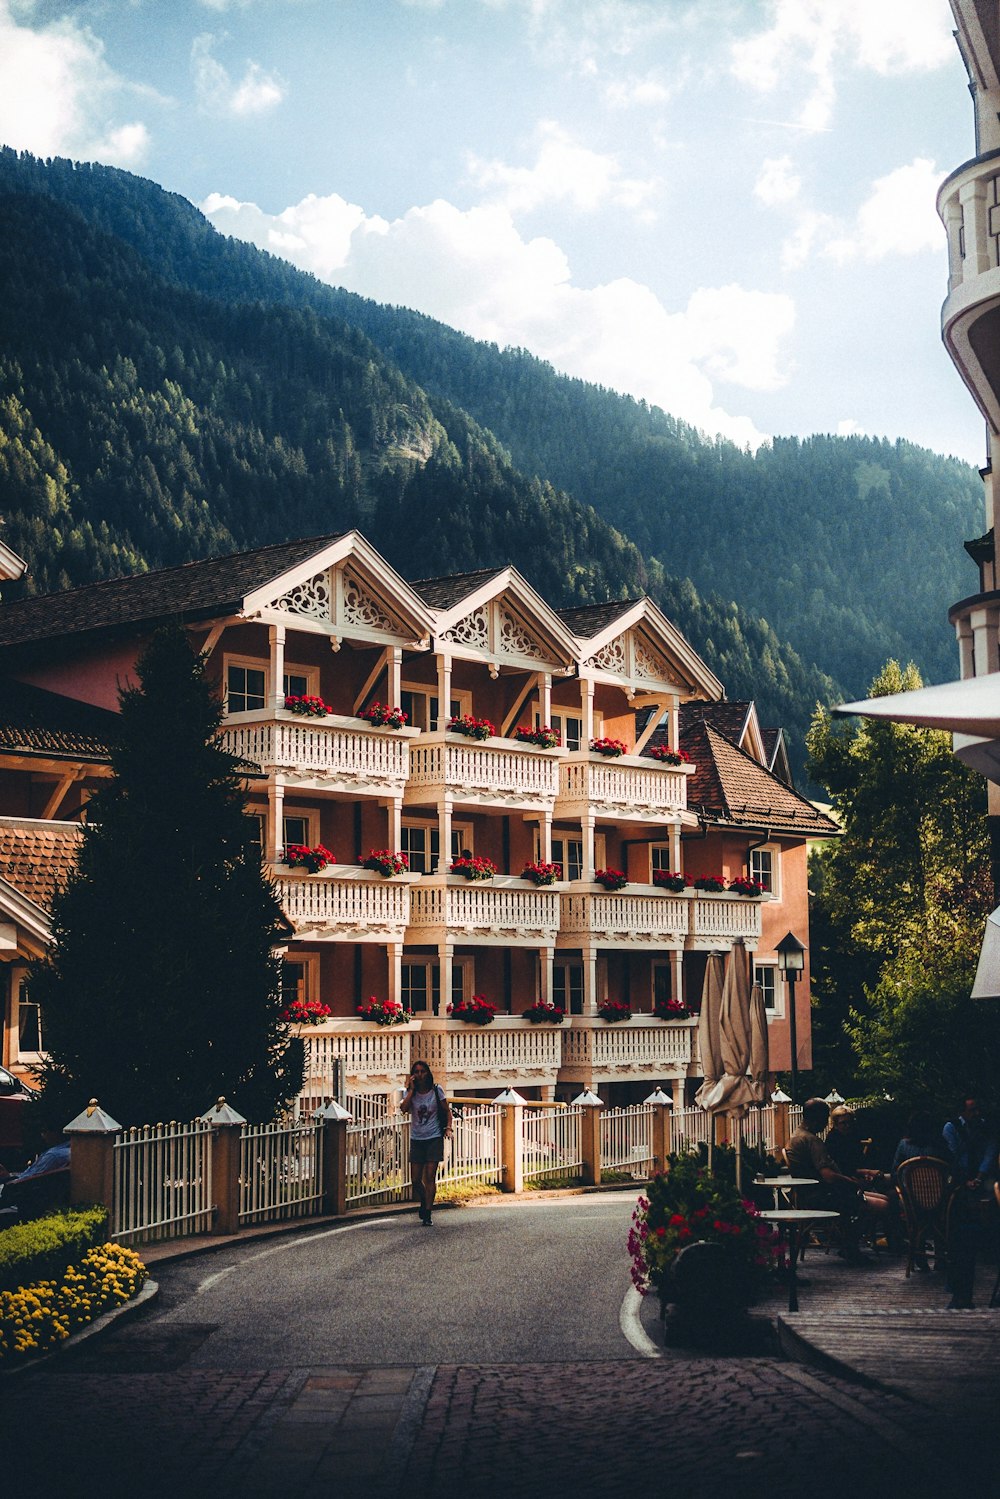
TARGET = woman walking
(430,1125)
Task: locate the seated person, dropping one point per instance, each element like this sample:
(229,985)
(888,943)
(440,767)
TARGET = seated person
(919,1138)
(808,1156)
(847,1151)
(971,1144)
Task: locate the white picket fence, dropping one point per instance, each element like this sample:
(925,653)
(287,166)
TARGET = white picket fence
(378,1163)
(689,1128)
(627,1140)
(551,1144)
(162,1181)
(473,1153)
(281,1171)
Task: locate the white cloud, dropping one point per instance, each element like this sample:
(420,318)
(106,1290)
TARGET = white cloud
(473,270)
(850,428)
(897,218)
(628,93)
(563,172)
(809,40)
(58,94)
(777,181)
(255,93)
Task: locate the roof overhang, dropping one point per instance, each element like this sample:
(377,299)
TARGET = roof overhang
(558,642)
(969,707)
(692,675)
(32,927)
(12,566)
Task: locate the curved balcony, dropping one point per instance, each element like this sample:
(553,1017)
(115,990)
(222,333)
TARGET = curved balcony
(969,205)
(482,773)
(322,754)
(344,901)
(505,910)
(632,788)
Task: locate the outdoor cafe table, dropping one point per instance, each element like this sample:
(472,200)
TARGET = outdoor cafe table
(784,1183)
(793,1220)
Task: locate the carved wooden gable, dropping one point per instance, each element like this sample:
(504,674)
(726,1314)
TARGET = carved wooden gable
(633,657)
(499,630)
(343,600)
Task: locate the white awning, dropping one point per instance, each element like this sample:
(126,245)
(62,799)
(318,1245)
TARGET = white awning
(971,707)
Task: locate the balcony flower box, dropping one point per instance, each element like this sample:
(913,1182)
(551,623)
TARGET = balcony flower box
(613,1011)
(664,879)
(743,886)
(611,879)
(668,756)
(384,862)
(544,738)
(671,1009)
(478,868)
(307,707)
(541,873)
(384,1012)
(300,856)
(306,1012)
(475,1011)
(541,1013)
(710,884)
(381,716)
(610,748)
(472,728)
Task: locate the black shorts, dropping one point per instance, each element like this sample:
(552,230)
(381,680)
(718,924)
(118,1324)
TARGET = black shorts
(422,1151)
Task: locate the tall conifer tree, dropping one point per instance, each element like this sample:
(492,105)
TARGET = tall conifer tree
(162,989)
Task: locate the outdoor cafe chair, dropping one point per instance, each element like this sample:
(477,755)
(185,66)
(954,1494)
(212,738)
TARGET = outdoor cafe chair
(925,1189)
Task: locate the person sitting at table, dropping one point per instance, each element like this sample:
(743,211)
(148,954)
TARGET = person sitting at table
(919,1138)
(844,1145)
(808,1156)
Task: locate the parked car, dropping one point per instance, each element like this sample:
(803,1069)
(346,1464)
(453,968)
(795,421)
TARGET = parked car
(15,1102)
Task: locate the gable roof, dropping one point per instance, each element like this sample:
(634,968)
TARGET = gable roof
(729,718)
(445,593)
(731,787)
(36,722)
(590,619)
(36,857)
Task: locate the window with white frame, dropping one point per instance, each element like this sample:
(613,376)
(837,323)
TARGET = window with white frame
(301,828)
(422,843)
(247,683)
(662,981)
(568,852)
(567,987)
(569,729)
(766,975)
(420,704)
(765,867)
(29,1022)
(420,983)
(299,977)
(300,681)
(660,859)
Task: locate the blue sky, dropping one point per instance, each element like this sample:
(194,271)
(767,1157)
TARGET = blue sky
(723,206)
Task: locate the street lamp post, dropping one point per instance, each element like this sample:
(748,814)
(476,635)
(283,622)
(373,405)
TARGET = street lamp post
(792,961)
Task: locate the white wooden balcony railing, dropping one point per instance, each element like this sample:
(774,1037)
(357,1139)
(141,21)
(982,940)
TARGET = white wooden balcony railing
(631,788)
(594,1050)
(717,920)
(503,910)
(344,900)
(376,1057)
(330,753)
(643,916)
(493,773)
(510,1052)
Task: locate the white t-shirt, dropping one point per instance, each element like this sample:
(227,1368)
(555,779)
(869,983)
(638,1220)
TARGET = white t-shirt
(424,1124)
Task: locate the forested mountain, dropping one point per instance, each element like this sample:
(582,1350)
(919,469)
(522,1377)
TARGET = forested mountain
(166,393)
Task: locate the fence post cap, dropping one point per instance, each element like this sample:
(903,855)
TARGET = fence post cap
(588,1099)
(509,1095)
(221,1113)
(333,1110)
(779,1097)
(92,1121)
(658,1096)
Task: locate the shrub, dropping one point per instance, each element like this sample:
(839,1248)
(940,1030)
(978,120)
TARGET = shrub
(34,1251)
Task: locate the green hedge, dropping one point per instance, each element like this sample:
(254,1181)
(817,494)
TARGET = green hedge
(34,1251)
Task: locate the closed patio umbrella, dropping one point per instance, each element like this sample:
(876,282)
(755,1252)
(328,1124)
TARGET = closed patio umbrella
(733,1092)
(760,1060)
(708,1037)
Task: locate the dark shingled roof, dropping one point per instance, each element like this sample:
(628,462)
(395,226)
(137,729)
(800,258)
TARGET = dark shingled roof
(729,786)
(591,619)
(445,593)
(36,857)
(729,718)
(196,589)
(36,722)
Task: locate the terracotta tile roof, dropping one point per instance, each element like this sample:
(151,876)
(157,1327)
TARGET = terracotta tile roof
(445,593)
(729,718)
(197,589)
(36,857)
(729,786)
(36,722)
(591,619)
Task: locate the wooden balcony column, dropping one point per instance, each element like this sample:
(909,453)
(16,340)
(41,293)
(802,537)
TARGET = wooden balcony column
(446,953)
(444,693)
(546,963)
(394,985)
(677,975)
(444,834)
(587,829)
(972,196)
(589,954)
(395,815)
(394,672)
(276,639)
(545,837)
(966,650)
(274,833)
(587,706)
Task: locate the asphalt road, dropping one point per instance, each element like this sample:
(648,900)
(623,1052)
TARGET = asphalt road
(500,1283)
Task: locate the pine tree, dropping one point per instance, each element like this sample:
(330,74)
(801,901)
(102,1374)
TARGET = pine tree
(162,988)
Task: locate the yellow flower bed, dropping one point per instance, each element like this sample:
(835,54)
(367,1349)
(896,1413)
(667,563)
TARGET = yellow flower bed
(38,1317)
